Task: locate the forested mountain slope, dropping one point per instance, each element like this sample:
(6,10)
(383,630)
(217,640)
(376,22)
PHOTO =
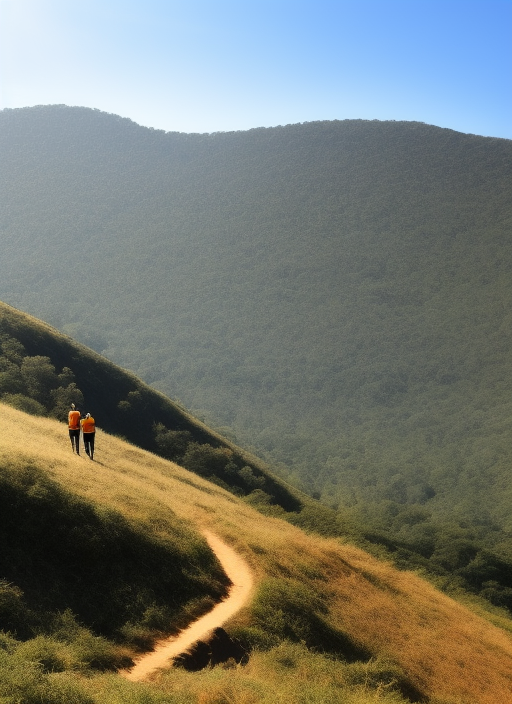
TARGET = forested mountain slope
(337,293)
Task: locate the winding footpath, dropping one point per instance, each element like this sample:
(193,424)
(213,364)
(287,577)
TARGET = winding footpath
(241,577)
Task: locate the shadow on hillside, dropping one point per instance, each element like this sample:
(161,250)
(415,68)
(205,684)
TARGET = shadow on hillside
(219,649)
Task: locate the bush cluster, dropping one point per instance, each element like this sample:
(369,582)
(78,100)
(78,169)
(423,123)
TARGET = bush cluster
(217,464)
(32,384)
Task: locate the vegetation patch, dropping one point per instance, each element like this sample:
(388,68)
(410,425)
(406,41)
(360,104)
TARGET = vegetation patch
(286,609)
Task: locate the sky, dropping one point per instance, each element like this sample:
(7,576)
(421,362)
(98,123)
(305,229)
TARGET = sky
(223,65)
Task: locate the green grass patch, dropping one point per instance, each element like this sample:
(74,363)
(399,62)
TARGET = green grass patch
(286,609)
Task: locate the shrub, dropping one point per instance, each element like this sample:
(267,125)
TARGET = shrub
(15,616)
(20,680)
(286,609)
(250,479)
(24,682)
(7,642)
(206,460)
(254,637)
(94,652)
(172,444)
(46,652)
(25,404)
(23,679)
(62,688)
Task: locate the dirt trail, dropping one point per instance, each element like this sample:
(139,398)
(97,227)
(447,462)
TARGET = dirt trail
(242,582)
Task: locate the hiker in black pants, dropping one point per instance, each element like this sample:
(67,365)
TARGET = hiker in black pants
(74,428)
(89,431)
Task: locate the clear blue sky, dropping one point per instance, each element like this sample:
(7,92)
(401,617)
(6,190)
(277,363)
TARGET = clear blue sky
(220,65)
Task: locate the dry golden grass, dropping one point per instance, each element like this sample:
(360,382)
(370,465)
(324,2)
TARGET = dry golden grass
(449,653)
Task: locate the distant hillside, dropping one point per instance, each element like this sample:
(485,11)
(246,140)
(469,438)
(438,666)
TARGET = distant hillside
(336,293)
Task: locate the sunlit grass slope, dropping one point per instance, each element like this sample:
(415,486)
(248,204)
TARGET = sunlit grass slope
(312,595)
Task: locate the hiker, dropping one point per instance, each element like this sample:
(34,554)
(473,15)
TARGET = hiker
(74,428)
(89,431)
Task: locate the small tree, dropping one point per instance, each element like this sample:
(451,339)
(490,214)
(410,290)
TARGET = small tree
(12,349)
(172,444)
(39,376)
(11,381)
(62,398)
(206,460)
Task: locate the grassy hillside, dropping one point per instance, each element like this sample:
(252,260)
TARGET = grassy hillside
(327,621)
(337,293)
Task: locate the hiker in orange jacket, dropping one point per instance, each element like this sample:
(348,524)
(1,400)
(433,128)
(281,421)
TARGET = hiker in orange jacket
(89,431)
(74,428)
